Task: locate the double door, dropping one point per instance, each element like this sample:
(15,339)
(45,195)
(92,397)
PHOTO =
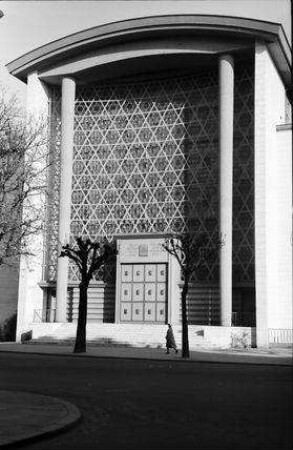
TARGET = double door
(143,293)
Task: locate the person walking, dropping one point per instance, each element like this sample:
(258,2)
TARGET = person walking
(170,340)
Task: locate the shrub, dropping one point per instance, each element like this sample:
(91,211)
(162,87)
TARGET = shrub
(8,329)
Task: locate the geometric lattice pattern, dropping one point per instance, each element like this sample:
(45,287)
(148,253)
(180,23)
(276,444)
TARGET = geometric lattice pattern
(146,160)
(145,154)
(243,173)
(52,207)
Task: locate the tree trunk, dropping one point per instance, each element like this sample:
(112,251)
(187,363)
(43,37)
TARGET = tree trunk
(185,341)
(80,340)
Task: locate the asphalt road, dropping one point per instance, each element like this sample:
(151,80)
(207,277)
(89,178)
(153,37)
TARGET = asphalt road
(140,404)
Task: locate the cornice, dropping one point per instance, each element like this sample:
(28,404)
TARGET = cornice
(156,27)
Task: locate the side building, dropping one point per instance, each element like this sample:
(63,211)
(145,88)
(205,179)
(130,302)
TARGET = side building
(8,287)
(155,121)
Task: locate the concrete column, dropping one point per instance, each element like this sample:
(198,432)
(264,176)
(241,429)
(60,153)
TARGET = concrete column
(226,110)
(67,128)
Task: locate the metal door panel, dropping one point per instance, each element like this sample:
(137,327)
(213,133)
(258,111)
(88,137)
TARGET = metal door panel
(161,292)
(126,292)
(137,292)
(161,312)
(150,292)
(126,273)
(137,312)
(138,273)
(150,273)
(150,312)
(125,312)
(161,273)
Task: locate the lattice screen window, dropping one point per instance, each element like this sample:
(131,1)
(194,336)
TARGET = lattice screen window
(52,210)
(243,173)
(146,157)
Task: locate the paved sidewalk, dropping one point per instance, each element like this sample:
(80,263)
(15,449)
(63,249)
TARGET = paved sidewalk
(25,416)
(275,356)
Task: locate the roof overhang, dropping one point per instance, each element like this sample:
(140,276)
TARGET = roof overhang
(85,49)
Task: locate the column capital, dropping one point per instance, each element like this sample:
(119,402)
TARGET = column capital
(227,57)
(68,80)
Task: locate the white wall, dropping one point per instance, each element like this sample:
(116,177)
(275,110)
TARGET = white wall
(144,335)
(30,295)
(280,314)
(273,202)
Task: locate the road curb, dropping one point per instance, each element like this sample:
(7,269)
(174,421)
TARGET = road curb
(72,416)
(278,359)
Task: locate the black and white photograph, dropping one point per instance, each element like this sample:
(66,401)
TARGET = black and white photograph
(146,238)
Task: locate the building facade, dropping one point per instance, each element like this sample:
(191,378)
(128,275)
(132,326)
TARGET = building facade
(155,123)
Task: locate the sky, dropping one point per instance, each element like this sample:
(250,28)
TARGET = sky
(28,24)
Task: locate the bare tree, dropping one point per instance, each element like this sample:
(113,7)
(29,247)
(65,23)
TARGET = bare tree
(22,178)
(191,251)
(89,257)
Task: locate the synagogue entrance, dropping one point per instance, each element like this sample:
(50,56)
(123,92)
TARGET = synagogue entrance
(143,293)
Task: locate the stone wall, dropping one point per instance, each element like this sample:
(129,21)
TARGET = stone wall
(143,335)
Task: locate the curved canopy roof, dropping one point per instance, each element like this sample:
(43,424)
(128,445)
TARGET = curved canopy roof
(62,53)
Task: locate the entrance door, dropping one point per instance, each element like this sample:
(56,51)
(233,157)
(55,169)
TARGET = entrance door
(143,293)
